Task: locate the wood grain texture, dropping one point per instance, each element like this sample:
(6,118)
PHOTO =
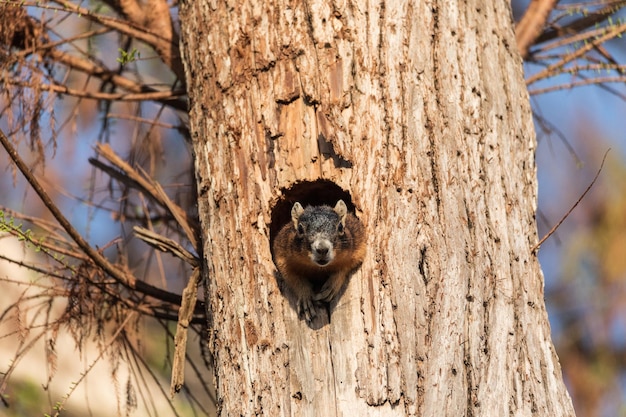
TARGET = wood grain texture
(420,111)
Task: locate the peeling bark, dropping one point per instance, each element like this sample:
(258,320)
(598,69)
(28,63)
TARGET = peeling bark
(418,112)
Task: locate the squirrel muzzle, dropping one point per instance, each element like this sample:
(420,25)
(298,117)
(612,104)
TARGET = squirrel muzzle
(322,252)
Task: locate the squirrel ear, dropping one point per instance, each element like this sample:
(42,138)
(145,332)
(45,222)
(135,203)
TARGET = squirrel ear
(296,212)
(341,210)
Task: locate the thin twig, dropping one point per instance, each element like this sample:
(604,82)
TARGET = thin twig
(578,26)
(557,67)
(167,95)
(51,45)
(536,247)
(121,327)
(156,29)
(580,83)
(151,122)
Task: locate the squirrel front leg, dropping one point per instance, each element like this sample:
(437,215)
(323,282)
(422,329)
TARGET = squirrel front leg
(331,287)
(307,306)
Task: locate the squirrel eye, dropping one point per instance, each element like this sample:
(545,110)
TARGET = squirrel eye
(300,230)
(340,228)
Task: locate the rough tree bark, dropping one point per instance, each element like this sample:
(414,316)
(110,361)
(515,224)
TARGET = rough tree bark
(417,114)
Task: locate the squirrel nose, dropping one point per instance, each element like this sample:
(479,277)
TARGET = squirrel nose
(322,251)
(322,248)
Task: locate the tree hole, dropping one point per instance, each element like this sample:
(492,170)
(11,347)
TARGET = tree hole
(314,193)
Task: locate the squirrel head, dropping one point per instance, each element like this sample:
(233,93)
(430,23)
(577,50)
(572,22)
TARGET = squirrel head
(320,226)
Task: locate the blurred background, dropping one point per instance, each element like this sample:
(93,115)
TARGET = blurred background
(584,262)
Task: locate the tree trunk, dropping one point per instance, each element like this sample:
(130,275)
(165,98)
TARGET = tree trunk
(417,115)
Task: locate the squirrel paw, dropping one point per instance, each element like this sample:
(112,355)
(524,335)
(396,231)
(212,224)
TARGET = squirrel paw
(328,291)
(308,309)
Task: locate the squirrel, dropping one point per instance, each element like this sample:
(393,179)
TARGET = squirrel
(316,252)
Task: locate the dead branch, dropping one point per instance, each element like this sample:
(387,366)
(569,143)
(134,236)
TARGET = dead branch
(557,67)
(123,277)
(165,244)
(185,314)
(532,23)
(60,405)
(579,25)
(154,17)
(158,33)
(132,177)
(579,83)
(33,42)
(149,96)
(107,75)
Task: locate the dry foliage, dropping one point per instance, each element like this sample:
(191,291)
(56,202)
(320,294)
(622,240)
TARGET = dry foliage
(115,293)
(569,45)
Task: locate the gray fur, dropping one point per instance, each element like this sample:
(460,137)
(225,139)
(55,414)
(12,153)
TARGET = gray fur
(319,226)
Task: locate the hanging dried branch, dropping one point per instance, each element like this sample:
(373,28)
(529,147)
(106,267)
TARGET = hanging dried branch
(23,36)
(190,297)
